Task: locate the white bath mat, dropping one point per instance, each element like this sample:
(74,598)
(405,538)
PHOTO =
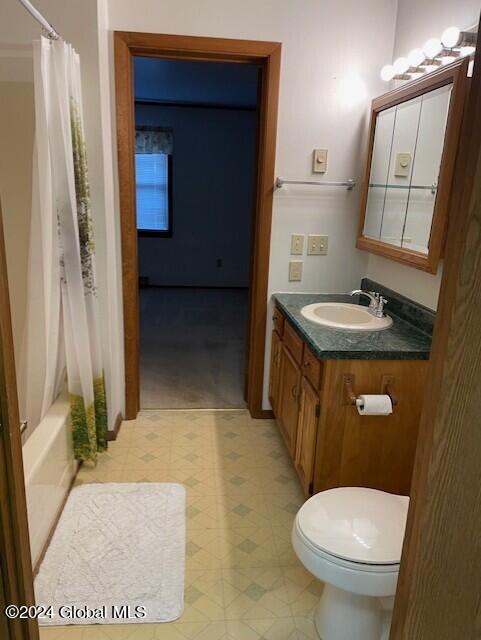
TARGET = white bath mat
(117,556)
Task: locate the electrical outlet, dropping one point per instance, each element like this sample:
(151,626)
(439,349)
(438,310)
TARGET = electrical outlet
(295,270)
(319,161)
(317,245)
(297,244)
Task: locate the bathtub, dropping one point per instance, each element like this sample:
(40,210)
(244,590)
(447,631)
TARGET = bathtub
(49,468)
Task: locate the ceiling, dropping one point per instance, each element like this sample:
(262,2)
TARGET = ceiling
(186,81)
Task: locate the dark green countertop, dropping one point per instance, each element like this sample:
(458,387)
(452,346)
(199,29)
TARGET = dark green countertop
(402,341)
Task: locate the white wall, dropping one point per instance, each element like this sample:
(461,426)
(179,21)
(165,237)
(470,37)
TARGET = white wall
(212,198)
(417,22)
(330,52)
(79,24)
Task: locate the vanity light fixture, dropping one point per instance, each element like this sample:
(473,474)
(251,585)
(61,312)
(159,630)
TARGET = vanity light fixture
(432,48)
(401,65)
(436,52)
(453,38)
(416,57)
(387,72)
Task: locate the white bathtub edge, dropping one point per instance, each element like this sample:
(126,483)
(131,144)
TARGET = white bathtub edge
(49,468)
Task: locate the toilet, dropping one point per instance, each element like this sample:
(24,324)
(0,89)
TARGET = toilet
(351,539)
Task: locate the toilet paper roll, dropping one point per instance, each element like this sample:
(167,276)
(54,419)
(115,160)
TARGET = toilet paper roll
(374,405)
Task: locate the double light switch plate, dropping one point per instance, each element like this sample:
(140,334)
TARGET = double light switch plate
(317,245)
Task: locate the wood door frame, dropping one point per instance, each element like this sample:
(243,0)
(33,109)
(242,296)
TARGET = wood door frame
(267,55)
(16,562)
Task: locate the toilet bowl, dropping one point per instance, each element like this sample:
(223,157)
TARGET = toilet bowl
(351,539)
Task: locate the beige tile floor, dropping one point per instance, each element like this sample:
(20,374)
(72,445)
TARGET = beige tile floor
(243,581)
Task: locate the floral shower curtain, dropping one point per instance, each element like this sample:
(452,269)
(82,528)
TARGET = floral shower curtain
(62,264)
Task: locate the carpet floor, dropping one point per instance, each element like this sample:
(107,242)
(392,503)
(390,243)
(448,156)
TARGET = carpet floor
(192,348)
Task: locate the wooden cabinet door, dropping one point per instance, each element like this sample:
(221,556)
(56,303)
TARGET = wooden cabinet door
(309,409)
(274,371)
(288,405)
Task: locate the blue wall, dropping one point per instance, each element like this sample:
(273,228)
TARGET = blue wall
(213,180)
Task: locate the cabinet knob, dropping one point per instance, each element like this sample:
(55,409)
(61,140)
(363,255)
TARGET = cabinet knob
(307,363)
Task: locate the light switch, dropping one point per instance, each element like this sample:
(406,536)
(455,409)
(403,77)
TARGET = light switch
(319,161)
(403,165)
(317,245)
(297,244)
(295,270)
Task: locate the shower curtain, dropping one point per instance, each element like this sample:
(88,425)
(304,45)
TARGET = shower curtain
(62,328)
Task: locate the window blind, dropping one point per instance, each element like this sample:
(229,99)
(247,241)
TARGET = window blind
(152,191)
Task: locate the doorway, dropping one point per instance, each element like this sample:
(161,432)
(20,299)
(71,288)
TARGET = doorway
(265,56)
(196,125)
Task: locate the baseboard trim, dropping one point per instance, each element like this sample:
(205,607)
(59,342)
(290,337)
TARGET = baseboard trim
(112,434)
(194,286)
(56,521)
(263,414)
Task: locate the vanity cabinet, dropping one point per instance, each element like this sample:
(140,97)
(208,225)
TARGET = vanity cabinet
(288,405)
(330,444)
(309,412)
(276,347)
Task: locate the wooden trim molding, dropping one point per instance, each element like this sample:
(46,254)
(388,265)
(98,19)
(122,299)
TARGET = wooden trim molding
(265,54)
(264,414)
(455,74)
(438,596)
(15,557)
(113,434)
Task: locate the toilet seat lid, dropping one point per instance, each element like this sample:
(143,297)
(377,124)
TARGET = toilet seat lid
(356,524)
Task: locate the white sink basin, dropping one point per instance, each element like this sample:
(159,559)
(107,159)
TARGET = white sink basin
(344,316)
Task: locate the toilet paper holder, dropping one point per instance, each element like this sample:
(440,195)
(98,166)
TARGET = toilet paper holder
(387,388)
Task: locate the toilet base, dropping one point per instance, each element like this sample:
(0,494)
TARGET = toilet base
(342,615)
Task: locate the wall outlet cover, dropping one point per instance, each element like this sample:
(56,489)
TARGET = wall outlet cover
(295,270)
(319,161)
(297,244)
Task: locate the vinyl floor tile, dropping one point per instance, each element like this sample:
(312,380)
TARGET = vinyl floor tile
(243,580)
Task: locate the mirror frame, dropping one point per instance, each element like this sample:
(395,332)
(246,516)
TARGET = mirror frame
(456,74)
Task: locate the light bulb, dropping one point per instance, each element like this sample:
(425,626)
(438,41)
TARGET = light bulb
(387,72)
(416,57)
(401,65)
(433,47)
(450,37)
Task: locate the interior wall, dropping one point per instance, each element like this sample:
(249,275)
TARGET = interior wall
(417,22)
(325,91)
(212,198)
(16,134)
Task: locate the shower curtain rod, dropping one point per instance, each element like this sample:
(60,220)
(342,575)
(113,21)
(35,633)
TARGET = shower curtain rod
(48,30)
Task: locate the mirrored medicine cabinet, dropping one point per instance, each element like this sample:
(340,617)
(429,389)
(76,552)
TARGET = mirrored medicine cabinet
(413,139)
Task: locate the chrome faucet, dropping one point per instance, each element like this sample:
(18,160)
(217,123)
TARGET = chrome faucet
(376,301)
